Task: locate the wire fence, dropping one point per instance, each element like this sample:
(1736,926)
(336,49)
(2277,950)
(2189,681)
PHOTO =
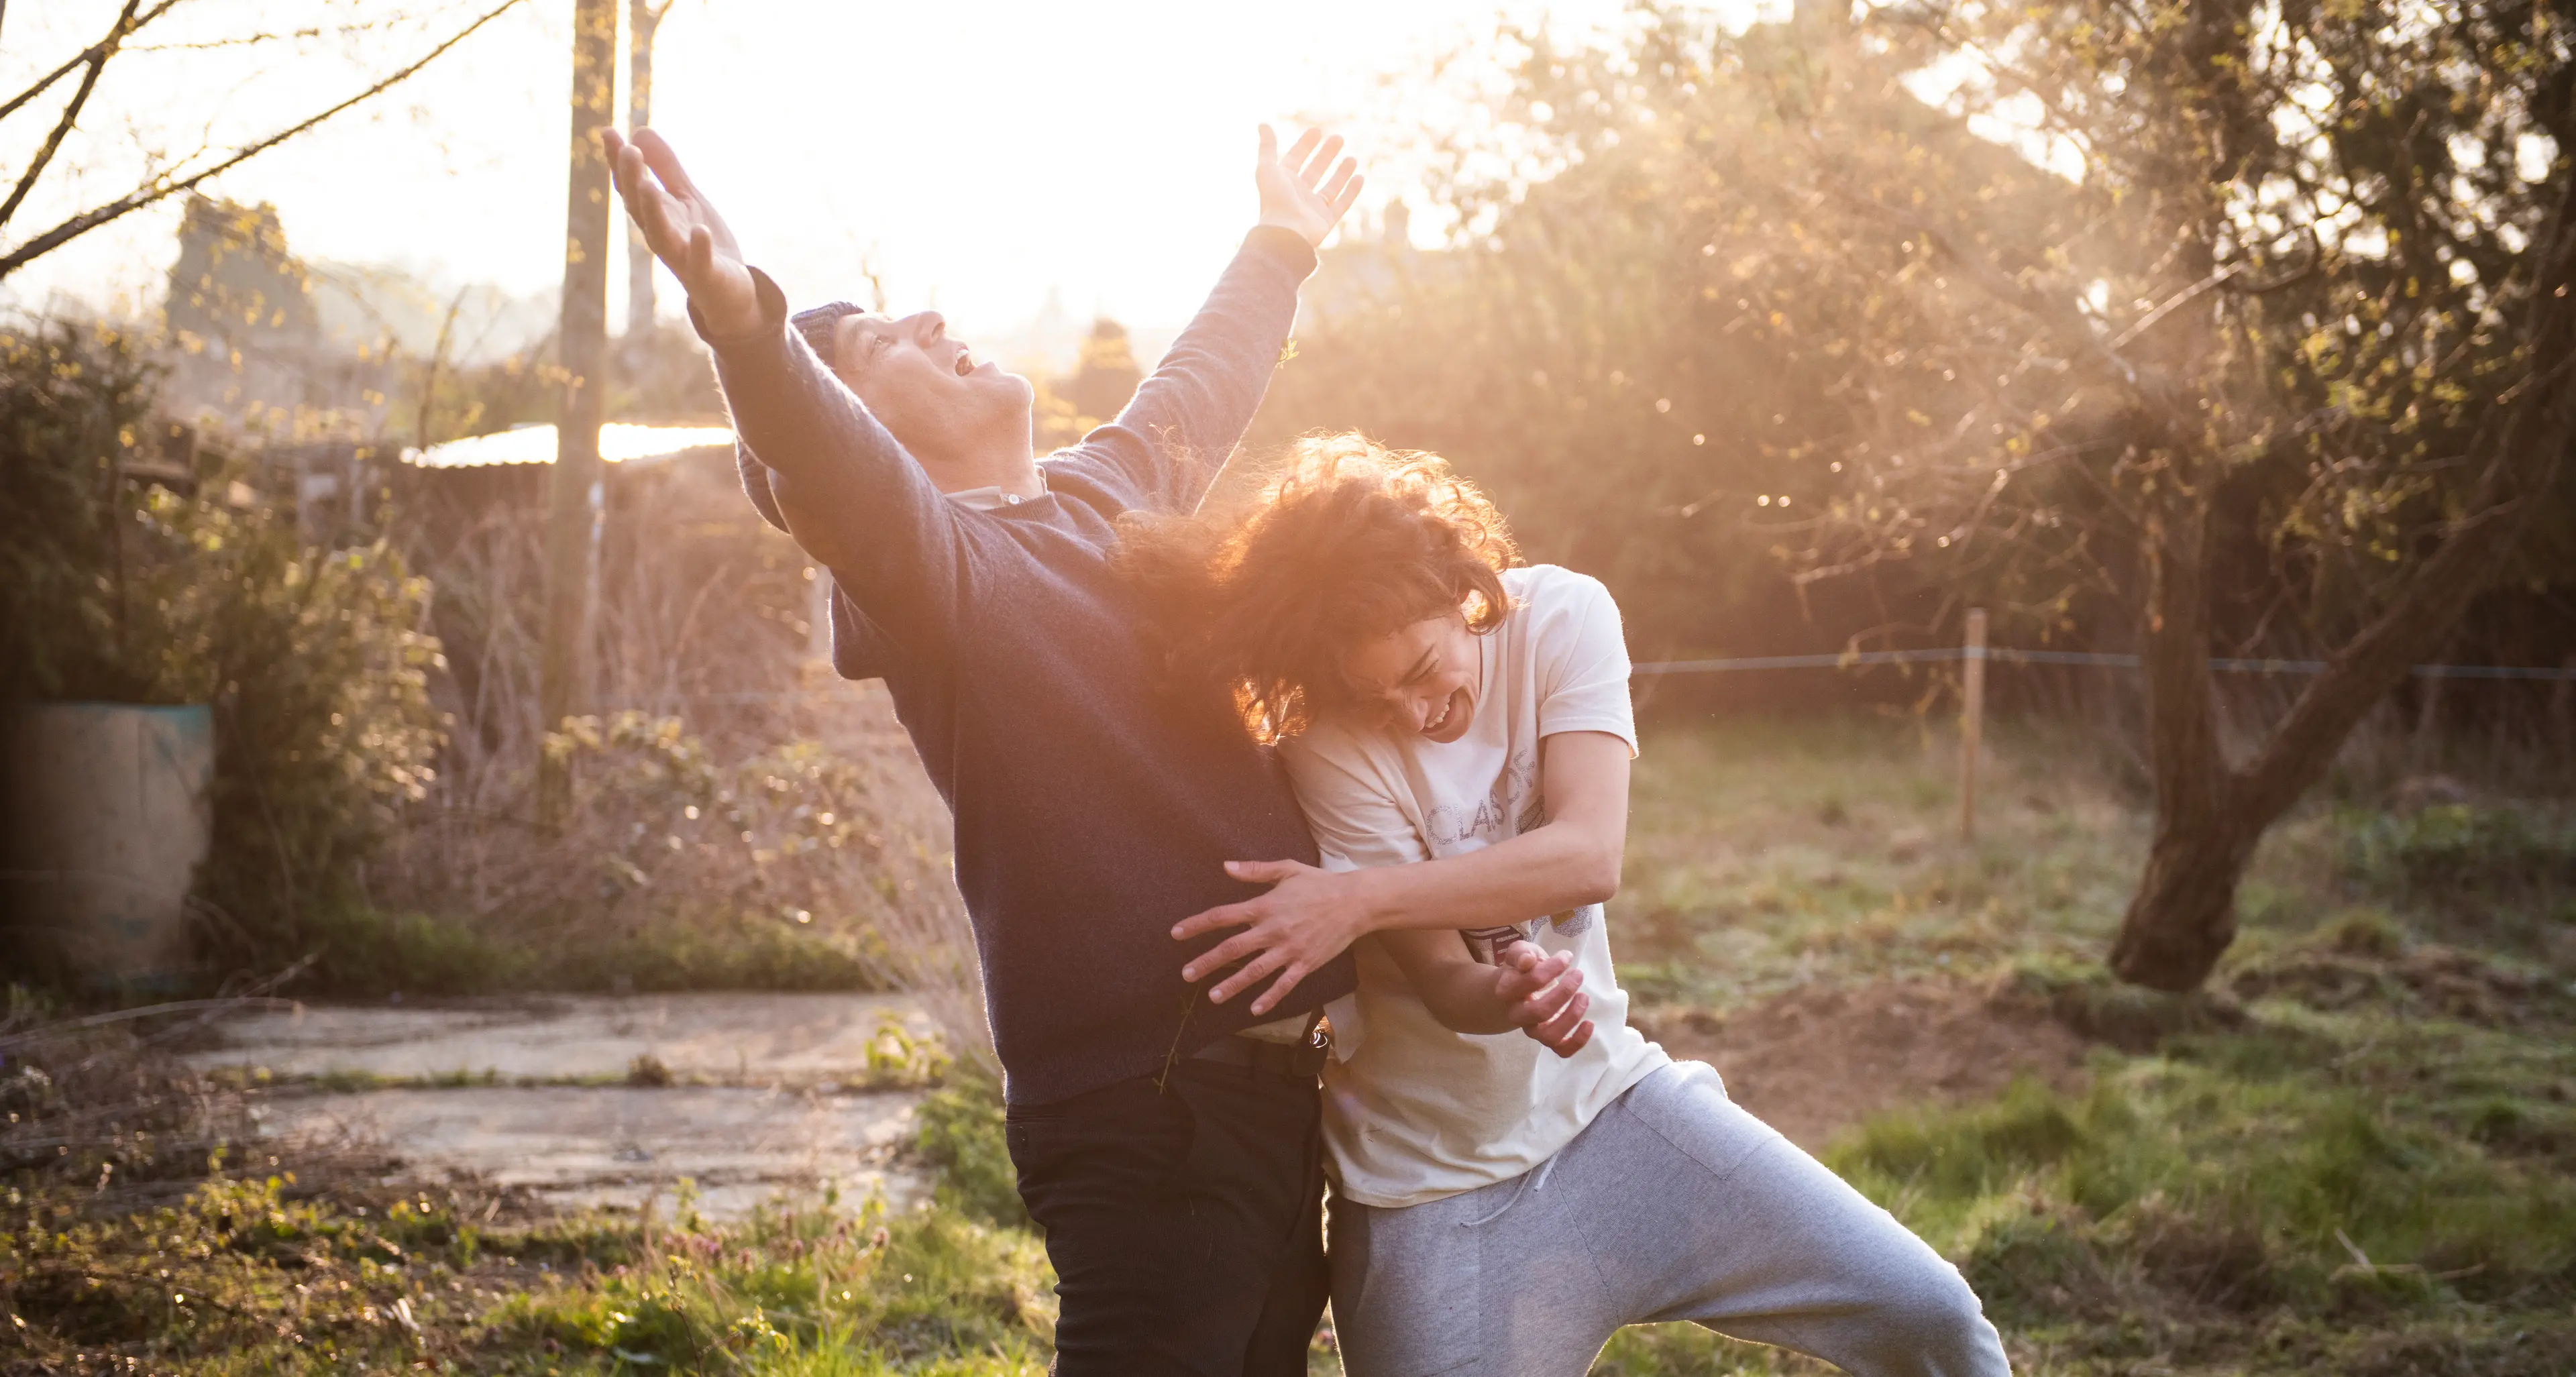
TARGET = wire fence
(1857,658)
(1952,654)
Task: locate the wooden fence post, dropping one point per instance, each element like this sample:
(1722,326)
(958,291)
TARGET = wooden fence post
(1972,721)
(2562,698)
(576,492)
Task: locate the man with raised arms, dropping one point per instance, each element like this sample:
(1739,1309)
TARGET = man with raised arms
(1167,1145)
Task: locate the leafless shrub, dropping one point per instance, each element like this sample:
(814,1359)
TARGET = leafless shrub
(731,776)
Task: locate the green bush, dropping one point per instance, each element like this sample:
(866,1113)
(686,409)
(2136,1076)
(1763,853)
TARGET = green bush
(962,1132)
(2454,852)
(316,661)
(72,402)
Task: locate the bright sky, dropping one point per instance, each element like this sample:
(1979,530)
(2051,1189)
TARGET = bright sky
(982,154)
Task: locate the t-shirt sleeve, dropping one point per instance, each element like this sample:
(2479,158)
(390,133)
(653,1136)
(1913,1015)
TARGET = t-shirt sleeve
(1348,803)
(1581,657)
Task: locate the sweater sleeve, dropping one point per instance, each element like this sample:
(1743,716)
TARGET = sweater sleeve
(1181,427)
(816,462)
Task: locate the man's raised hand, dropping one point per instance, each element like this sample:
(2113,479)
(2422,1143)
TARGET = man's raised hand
(684,231)
(1304,191)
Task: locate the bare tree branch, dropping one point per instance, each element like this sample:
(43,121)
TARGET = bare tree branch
(2526,453)
(168,184)
(98,56)
(248,40)
(95,51)
(2174,303)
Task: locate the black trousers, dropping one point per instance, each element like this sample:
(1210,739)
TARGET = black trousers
(1185,1221)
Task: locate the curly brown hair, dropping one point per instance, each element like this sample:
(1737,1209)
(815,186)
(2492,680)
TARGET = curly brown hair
(1350,541)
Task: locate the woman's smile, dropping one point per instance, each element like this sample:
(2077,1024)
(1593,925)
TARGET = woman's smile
(1425,677)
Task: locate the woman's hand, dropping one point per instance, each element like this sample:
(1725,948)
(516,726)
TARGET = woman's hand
(1309,917)
(1545,994)
(685,232)
(1295,193)
(1526,988)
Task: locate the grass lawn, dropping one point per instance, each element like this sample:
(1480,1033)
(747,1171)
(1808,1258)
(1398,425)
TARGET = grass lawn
(2356,1153)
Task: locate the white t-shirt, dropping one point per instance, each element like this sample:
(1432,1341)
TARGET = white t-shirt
(1412,1111)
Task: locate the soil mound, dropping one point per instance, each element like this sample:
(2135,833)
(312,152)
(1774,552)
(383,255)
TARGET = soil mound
(1813,1062)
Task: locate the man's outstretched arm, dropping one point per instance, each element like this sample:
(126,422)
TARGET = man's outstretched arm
(847,491)
(1310,915)
(1187,416)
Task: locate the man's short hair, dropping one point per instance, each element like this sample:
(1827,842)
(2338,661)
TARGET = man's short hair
(817,324)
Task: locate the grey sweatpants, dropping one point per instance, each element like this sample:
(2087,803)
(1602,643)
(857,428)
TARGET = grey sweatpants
(1673,1204)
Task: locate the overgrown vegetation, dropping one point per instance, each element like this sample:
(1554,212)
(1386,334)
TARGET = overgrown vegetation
(254,1274)
(367,952)
(371,827)
(2371,1175)
(962,1135)
(316,660)
(141,1228)
(2466,859)
(2352,1155)
(2177,329)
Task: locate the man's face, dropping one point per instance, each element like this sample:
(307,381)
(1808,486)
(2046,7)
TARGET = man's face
(930,390)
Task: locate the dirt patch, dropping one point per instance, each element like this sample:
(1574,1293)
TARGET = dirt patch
(1814,1062)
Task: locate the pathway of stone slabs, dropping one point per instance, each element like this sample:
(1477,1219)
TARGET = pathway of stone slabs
(527,1093)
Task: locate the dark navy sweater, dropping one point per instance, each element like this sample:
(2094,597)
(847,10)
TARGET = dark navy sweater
(1094,800)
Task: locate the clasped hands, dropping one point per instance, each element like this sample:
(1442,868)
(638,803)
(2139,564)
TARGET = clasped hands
(1311,915)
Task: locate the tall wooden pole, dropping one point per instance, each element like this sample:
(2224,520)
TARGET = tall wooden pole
(2562,704)
(643,19)
(575,497)
(1972,721)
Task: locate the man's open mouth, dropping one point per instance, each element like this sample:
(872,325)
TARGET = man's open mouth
(1447,706)
(965,363)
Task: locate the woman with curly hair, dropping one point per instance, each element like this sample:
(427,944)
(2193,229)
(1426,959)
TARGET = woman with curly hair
(1502,1203)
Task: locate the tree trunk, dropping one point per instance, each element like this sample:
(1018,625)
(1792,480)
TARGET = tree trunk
(2209,815)
(2183,916)
(2184,912)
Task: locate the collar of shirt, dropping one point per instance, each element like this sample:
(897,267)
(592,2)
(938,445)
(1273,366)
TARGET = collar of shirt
(991,497)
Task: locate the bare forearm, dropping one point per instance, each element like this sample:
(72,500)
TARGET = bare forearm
(1310,915)
(1464,998)
(1546,870)
(1524,989)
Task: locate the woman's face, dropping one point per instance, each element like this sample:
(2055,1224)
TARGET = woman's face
(1425,677)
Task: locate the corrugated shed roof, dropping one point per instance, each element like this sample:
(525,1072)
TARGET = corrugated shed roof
(618,444)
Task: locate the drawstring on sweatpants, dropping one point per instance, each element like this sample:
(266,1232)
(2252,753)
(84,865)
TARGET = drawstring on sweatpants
(1529,1181)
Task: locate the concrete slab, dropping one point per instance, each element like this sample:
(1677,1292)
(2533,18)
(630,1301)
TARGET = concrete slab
(575,1146)
(744,1039)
